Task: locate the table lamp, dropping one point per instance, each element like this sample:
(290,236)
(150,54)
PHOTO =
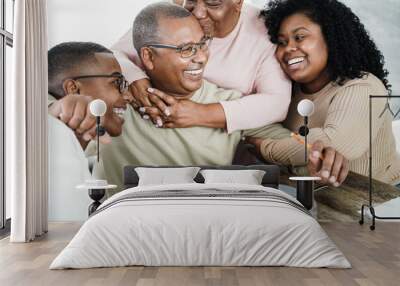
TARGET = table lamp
(97,188)
(305,185)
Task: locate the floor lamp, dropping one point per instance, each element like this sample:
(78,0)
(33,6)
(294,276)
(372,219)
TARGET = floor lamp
(305,185)
(369,205)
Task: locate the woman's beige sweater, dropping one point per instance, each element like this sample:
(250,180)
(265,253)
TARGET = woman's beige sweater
(341,120)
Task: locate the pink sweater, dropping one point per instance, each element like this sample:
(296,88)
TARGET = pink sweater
(244,60)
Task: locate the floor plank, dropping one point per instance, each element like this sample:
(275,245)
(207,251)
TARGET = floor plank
(375,257)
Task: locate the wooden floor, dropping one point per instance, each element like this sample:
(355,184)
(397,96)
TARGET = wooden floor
(375,257)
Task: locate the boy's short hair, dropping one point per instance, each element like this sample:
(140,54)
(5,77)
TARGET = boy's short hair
(65,58)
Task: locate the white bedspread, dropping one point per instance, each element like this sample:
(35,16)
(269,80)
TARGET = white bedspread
(204,230)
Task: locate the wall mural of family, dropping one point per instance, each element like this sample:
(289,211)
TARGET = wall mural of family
(189,80)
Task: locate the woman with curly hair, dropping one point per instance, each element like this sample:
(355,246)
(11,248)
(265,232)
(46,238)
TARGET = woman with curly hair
(332,61)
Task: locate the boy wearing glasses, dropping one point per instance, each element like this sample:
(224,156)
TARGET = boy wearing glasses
(88,71)
(79,72)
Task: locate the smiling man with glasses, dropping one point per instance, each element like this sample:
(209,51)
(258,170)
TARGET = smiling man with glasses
(175,54)
(242,58)
(78,73)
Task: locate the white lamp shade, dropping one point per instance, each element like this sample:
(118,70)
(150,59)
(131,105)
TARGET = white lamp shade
(305,107)
(98,107)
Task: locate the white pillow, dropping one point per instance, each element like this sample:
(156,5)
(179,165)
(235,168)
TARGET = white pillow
(248,177)
(165,176)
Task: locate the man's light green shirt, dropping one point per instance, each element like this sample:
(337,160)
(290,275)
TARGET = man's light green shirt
(141,143)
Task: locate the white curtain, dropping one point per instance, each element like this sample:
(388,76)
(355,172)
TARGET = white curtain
(26,117)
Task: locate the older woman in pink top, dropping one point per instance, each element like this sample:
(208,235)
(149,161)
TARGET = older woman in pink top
(241,58)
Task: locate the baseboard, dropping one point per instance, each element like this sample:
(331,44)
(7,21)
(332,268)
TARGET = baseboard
(5,231)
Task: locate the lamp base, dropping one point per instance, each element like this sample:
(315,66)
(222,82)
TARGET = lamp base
(96,189)
(96,195)
(305,193)
(305,190)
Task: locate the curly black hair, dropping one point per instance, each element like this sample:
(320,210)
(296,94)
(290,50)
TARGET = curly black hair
(351,51)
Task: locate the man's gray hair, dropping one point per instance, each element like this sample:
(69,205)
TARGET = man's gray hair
(145,26)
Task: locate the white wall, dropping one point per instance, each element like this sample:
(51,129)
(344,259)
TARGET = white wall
(100,21)
(381,19)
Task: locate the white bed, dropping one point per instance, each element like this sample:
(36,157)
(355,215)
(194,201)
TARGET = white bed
(201,224)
